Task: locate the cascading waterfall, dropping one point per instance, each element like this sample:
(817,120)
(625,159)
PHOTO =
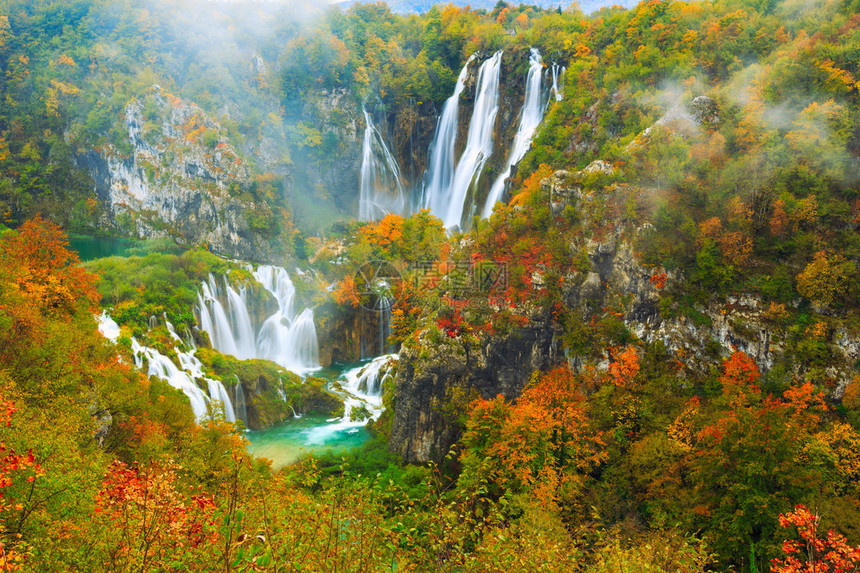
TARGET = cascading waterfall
(361,388)
(440,169)
(557,73)
(283,337)
(384,323)
(381,190)
(479,145)
(185,377)
(530,118)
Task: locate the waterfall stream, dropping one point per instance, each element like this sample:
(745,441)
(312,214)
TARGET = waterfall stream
(530,117)
(381,189)
(557,74)
(440,169)
(184,377)
(479,144)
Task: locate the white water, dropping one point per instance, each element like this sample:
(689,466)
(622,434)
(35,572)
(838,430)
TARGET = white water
(557,73)
(479,145)
(108,327)
(440,170)
(381,190)
(530,118)
(186,377)
(283,337)
(361,387)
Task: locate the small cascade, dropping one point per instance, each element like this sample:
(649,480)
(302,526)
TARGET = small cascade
(440,169)
(162,367)
(283,337)
(530,118)
(384,323)
(479,145)
(557,75)
(239,400)
(108,327)
(381,190)
(361,389)
(217,391)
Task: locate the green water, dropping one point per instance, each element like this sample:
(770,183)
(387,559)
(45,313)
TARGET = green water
(286,443)
(89,248)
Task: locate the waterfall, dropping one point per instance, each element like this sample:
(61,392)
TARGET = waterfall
(530,118)
(241,409)
(361,388)
(440,169)
(384,323)
(283,337)
(381,190)
(479,145)
(217,391)
(557,73)
(164,368)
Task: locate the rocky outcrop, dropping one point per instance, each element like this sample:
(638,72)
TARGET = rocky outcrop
(348,334)
(439,378)
(436,382)
(270,393)
(177,176)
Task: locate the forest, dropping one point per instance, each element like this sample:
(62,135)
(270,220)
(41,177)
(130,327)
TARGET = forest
(646,358)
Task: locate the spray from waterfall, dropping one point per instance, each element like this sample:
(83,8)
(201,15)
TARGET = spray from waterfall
(381,190)
(530,117)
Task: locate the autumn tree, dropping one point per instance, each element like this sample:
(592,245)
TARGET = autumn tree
(827,279)
(808,552)
(541,445)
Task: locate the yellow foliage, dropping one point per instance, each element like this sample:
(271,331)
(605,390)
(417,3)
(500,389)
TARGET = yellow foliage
(64,60)
(844,442)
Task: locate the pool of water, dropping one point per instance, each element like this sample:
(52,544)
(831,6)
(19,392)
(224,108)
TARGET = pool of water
(298,437)
(89,248)
(286,443)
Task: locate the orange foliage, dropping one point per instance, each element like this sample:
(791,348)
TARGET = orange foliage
(541,445)
(625,368)
(345,293)
(38,262)
(739,370)
(779,222)
(383,233)
(532,184)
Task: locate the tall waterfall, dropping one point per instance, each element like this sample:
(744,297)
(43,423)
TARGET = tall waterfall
(479,145)
(284,337)
(440,169)
(557,74)
(530,118)
(381,190)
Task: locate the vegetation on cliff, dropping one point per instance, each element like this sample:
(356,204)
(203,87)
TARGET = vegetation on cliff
(684,231)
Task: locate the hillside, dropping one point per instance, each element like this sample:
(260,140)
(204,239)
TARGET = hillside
(476,289)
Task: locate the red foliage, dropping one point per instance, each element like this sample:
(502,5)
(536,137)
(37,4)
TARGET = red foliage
(812,554)
(658,280)
(145,506)
(740,371)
